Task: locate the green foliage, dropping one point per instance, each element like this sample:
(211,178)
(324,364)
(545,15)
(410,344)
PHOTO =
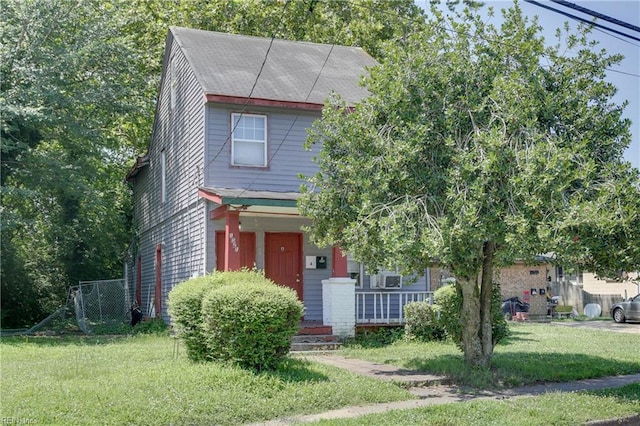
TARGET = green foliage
(449,299)
(250,322)
(151,326)
(185,306)
(423,322)
(380,337)
(499,326)
(478,146)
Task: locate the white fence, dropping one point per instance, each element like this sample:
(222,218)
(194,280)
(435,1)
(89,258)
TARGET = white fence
(376,307)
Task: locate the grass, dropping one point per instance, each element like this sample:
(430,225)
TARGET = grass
(533,353)
(138,380)
(549,409)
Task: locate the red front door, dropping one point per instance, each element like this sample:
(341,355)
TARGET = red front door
(283,259)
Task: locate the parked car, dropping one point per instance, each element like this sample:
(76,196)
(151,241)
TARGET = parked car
(628,310)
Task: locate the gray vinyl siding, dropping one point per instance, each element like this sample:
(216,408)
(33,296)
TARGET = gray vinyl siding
(178,223)
(286,135)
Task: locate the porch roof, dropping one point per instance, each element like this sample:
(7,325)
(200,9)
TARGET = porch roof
(247,198)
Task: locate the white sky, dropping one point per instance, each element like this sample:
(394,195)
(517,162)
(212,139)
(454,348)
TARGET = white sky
(624,10)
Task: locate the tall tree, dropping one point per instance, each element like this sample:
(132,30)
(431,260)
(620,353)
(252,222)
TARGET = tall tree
(69,84)
(479,146)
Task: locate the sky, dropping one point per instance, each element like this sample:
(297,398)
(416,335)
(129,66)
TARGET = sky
(626,75)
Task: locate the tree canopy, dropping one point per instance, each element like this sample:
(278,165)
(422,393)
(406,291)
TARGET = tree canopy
(479,146)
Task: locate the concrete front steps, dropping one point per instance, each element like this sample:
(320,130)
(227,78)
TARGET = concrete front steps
(314,337)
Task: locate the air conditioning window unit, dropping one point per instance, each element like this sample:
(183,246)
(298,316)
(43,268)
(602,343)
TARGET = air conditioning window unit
(390,281)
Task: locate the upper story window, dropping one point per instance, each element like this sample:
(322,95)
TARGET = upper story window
(249,140)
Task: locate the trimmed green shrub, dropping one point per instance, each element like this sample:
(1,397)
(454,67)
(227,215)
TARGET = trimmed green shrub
(185,308)
(423,322)
(250,321)
(499,325)
(449,298)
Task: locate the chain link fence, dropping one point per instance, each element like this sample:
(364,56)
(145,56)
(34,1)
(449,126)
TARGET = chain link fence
(100,305)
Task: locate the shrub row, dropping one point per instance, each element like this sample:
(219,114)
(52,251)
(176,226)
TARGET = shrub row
(241,317)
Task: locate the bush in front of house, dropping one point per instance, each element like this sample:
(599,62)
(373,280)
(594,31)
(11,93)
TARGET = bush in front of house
(185,307)
(449,298)
(250,321)
(423,322)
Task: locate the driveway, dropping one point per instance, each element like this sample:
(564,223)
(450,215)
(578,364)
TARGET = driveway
(627,327)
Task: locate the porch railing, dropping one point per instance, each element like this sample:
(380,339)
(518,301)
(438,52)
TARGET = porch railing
(376,307)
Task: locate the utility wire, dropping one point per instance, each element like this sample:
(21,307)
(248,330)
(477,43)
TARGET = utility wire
(284,138)
(597,15)
(255,83)
(577,18)
(453,31)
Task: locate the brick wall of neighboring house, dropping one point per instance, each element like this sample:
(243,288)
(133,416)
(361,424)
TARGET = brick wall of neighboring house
(516,279)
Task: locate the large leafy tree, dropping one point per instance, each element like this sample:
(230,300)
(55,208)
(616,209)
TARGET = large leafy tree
(69,88)
(479,146)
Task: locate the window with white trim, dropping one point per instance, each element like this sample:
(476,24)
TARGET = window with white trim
(249,140)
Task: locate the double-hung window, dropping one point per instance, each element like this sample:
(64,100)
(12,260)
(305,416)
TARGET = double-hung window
(249,140)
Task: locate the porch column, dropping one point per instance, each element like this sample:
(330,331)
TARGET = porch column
(232,241)
(339,305)
(339,263)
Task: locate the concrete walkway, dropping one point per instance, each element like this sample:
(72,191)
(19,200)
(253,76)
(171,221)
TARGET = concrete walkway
(432,390)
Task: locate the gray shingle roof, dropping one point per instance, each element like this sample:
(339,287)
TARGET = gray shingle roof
(228,64)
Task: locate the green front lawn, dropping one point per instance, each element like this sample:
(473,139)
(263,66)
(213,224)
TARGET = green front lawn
(137,380)
(559,409)
(533,353)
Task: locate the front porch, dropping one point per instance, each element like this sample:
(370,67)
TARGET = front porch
(373,310)
(386,308)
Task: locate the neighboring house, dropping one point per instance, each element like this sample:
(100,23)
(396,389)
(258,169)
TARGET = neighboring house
(217,189)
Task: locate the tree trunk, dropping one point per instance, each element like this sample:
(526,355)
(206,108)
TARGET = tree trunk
(477,339)
(471,342)
(486,291)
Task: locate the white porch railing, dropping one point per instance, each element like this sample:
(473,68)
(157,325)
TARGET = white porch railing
(377,307)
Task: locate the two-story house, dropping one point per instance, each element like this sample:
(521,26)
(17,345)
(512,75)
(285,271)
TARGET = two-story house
(217,189)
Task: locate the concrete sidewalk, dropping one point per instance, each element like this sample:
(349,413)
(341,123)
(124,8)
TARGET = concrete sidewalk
(432,390)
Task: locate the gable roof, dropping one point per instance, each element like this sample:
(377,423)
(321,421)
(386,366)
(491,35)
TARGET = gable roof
(226,65)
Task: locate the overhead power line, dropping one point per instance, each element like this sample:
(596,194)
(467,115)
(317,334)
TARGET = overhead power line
(578,18)
(597,15)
